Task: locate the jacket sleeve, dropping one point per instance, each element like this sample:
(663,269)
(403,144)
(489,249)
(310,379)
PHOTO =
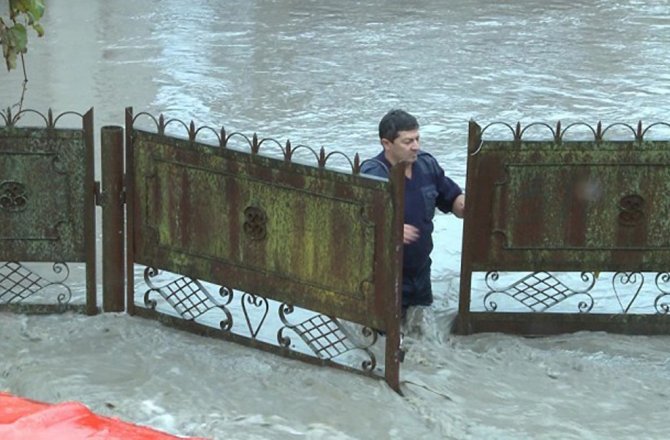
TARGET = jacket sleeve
(447,189)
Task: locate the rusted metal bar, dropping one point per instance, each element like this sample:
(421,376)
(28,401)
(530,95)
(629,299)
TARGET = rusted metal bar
(130,214)
(89,216)
(461,325)
(541,324)
(112,201)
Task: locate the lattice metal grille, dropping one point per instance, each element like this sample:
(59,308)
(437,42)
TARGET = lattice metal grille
(539,291)
(324,336)
(18,283)
(186,296)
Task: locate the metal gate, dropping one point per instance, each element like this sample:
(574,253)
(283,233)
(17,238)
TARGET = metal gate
(262,250)
(588,219)
(47,212)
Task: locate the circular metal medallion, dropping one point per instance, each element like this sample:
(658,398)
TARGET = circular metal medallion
(255,223)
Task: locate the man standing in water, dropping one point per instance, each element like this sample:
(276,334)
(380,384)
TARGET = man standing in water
(426,187)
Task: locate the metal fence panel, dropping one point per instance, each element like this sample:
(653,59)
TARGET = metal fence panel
(47,203)
(567,206)
(301,235)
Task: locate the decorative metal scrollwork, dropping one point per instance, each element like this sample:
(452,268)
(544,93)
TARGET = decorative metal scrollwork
(188,297)
(663,284)
(631,209)
(539,291)
(18,283)
(13,196)
(255,223)
(633,279)
(326,337)
(259,303)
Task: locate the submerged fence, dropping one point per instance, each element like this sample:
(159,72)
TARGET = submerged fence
(256,248)
(234,237)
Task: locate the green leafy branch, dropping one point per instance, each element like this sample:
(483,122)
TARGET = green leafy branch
(23,14)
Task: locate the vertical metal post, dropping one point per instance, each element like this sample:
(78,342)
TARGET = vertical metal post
(113,237)
(89,216)
(393,304)
(463,325)
(130,214)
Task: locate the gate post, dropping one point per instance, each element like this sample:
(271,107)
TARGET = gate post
(394,349)
(112,199)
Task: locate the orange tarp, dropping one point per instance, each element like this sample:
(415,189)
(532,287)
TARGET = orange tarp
(24,419)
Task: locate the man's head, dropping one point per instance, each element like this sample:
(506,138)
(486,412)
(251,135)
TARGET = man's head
(395,121)
(399,135)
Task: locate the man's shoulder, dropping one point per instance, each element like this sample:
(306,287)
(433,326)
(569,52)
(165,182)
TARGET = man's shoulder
(427,162)
(375,166)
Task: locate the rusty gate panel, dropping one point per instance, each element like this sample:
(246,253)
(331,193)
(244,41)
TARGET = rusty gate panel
(567,206)
(47,205)
(301,235)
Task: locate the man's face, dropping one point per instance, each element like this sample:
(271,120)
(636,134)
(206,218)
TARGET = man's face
(403,148)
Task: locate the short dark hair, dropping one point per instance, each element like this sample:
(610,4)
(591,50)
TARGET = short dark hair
(394,121)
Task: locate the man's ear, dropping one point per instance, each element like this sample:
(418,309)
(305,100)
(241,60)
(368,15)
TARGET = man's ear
(386,143)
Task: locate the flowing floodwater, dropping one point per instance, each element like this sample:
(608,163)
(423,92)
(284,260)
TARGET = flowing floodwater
(323,73)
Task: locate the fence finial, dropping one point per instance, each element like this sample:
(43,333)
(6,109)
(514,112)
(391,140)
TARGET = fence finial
(557,135)
(287,151)
(223,141)
(517,132)
(191,131)
(254,144)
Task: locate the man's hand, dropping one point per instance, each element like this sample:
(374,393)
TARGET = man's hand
(410,234)
(458,207)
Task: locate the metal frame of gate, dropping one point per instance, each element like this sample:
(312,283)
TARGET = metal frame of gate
(551,206)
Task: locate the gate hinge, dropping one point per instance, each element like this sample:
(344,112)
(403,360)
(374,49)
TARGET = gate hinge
(102,196)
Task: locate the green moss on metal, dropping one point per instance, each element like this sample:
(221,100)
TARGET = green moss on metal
(50,165)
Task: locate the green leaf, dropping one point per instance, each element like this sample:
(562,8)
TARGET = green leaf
(35,8)
(39,29)
(10,59)
(14,39)
(19,37)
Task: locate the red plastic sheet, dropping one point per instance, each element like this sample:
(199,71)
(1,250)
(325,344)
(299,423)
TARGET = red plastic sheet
(24,419)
